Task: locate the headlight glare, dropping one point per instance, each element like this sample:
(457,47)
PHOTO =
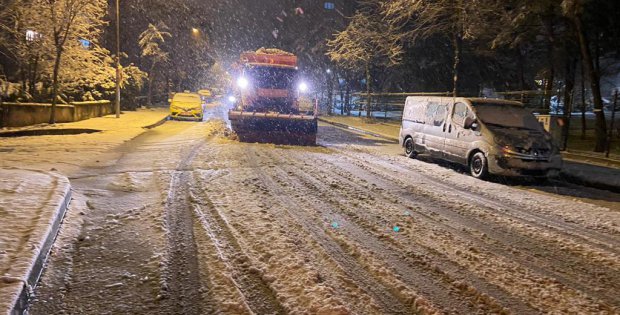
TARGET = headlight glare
(243,83)
(303,87)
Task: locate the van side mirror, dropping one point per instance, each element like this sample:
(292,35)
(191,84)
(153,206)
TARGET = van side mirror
(470,123)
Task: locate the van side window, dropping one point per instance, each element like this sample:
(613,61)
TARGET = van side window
(414,111)
(431,108)
(461,111)
(436,113)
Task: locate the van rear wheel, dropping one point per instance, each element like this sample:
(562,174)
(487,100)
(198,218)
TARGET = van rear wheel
(409,148)
(478,166)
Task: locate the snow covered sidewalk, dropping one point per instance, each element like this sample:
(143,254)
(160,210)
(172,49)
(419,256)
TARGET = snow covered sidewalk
(32,205)
(69,153)
(577,168)
(34,196)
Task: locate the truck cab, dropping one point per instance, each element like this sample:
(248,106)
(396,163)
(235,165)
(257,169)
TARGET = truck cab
(270,100)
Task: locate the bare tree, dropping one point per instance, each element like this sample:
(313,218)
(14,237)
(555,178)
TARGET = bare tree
(573,9)
(528,23)
(420,19)
(150,42)
(367,41)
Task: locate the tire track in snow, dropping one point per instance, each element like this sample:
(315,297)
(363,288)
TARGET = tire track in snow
(555,265)
(492,205)
(545,261)
(301,263)
(383,295)
(115,257)
(182,285)
(259,297)
(182,277)
(595,239)
(441,281)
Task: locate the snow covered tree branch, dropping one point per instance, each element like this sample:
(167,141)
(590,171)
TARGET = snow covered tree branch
(367,41)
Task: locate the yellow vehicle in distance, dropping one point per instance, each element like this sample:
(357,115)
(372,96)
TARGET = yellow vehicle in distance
(205,93)
(187,105)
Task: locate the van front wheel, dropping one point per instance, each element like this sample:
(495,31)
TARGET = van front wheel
(409,148)
(478,166)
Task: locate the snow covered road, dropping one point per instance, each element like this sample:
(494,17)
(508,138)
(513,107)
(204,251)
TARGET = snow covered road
(186,221)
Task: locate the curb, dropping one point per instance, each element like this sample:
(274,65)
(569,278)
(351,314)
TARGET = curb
(36,270)
(589,183)
(157,124)
(47,132)
(366,132)
(595,160)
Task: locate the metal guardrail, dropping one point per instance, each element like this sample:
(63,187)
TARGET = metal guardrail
(386,102)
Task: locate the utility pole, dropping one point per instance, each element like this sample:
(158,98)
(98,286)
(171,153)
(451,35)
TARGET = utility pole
(118,61)
(610,136)
(330,92)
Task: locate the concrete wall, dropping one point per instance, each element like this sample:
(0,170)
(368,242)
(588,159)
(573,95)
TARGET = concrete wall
(86,110)
(25,114)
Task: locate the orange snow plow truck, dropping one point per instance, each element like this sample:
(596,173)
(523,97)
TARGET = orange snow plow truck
(270,98)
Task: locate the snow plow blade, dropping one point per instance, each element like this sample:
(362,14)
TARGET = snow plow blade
(274,128)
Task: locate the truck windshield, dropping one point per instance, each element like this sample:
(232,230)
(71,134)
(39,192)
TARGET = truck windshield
(506,116)
(272,77)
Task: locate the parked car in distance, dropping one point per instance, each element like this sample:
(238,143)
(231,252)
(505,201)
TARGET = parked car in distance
(187,105)
(489,136)
(206,95)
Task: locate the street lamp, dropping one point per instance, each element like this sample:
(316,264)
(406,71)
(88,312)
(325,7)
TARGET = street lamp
(196,33)
(330,91)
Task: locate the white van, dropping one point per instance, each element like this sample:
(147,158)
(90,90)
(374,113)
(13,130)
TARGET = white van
(489,136)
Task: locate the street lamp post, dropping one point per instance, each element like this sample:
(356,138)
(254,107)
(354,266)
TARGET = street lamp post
(118,61)
(330,92)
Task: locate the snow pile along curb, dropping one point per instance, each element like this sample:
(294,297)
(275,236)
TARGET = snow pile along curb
(32,205)
(158,123)
(360,130)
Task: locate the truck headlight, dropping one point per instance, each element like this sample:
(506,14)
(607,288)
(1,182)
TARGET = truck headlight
(243,83)
(303,87)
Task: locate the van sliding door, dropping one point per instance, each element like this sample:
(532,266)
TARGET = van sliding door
(459,139)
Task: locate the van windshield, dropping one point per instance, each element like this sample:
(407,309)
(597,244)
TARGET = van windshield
(506,116)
